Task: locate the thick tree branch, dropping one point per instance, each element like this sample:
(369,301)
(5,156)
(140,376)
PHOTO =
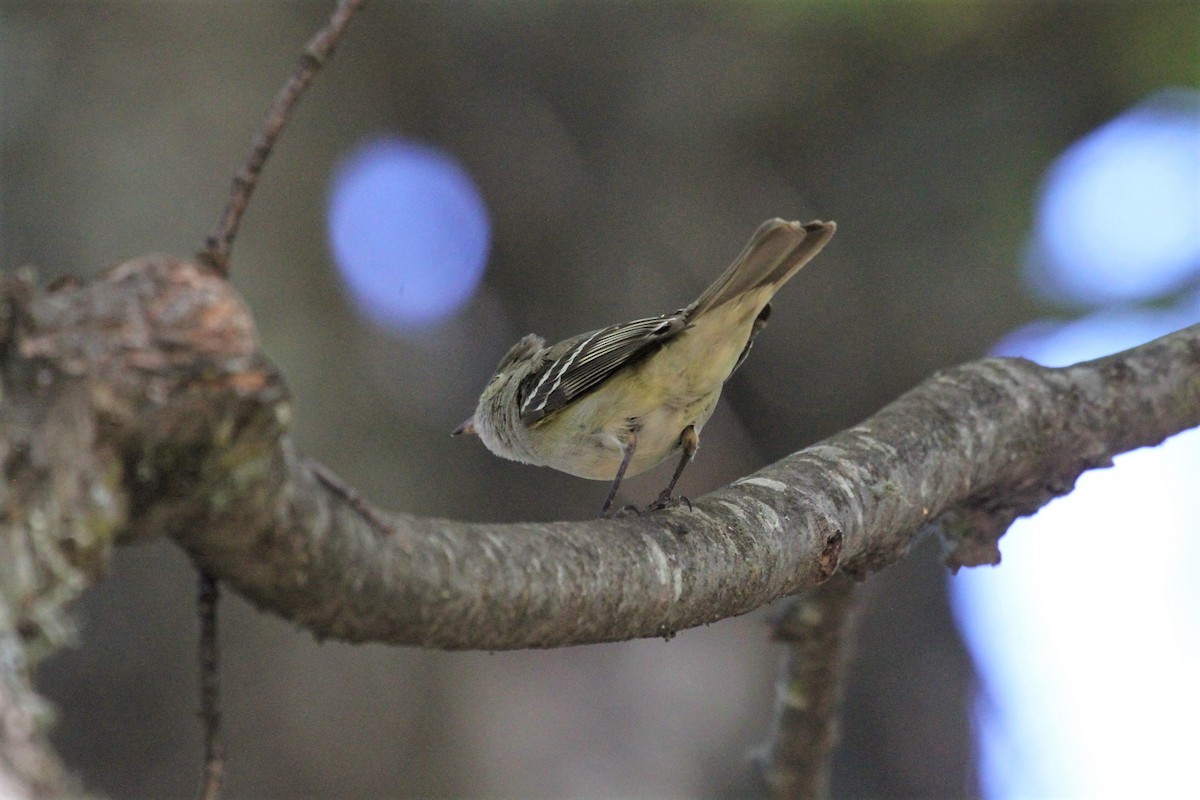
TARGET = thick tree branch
(61,509)
(183,423)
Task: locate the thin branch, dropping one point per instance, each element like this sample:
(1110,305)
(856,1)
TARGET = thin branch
(208,598)
(171,364)
(818,630)
(219,244)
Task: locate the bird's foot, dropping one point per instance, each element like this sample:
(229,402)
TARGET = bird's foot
(665,501)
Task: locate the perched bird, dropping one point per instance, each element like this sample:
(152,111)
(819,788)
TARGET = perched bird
(620,400)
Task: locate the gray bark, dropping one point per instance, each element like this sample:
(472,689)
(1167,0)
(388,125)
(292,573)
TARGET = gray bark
(140,405)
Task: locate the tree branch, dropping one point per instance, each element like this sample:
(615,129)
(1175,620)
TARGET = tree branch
(817,629)
(212,776)
(162,359)
(219,244)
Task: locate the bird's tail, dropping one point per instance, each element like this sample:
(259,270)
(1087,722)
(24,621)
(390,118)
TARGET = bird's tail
(774,254)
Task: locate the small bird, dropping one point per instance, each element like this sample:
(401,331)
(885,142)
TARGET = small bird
(620,400)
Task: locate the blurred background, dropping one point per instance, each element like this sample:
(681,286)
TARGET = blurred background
(1020,178)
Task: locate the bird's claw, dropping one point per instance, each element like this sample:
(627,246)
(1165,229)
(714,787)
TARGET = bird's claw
(666,500)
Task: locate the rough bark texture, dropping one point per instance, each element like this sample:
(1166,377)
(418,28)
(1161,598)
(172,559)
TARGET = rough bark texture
(81,371)
(140,405)
(164,419)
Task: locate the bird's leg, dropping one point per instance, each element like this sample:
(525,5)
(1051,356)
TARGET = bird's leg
(689,441)
(630,446)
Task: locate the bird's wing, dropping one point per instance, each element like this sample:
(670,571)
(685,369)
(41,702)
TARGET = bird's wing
(580,364)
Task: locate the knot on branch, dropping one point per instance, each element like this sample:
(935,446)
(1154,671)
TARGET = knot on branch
(131,387)
(152,314)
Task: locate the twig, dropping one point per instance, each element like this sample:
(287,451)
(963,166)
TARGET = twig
(218,247)
(348,493)
(219,244)
(818,629)
(210,688)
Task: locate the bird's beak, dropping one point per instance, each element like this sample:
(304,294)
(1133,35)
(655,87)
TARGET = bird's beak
(467,427)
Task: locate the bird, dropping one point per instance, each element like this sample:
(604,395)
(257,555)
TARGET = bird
(615,402)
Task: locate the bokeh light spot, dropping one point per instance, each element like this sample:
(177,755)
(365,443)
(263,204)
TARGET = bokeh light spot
(1118,223)
(1053,716)
(1119,217)
(409,232)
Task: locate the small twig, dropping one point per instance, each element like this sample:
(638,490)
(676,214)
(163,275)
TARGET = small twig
(356,501)
(210,688)
(219,244)
(818,629)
